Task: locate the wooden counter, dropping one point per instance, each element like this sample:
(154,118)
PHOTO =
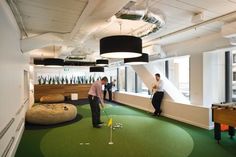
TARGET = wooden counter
(65,89)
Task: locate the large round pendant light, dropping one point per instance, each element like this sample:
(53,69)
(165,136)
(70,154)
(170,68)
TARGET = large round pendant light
(102,62)
(38,62)
(138,60)
(121,46)
(96,69)
(53,62)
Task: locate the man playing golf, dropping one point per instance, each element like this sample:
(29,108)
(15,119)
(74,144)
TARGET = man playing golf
(95,97)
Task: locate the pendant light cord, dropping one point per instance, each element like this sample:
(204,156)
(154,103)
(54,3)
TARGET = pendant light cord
(120,24)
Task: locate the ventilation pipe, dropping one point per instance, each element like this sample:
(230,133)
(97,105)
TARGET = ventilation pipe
(130,13)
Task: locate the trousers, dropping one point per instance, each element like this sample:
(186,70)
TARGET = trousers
(95,109)
(156,101)
(109,94)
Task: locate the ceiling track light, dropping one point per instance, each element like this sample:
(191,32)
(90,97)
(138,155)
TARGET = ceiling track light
(121,46)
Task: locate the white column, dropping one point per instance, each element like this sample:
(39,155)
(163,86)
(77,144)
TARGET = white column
(196,79)
(214,78)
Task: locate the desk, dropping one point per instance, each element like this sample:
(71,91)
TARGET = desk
(224,114)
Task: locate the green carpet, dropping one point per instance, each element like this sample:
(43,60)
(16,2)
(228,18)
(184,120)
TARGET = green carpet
(141,135)
(88,106)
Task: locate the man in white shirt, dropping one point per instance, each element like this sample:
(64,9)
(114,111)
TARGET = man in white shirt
(158,91)
(95,97)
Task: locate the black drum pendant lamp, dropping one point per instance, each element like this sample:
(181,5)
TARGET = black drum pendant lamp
(138,60)
(53,62)
(38,62)
(121,46)
(102,62)
(96,69)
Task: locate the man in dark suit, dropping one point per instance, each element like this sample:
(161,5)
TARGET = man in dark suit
(108,87)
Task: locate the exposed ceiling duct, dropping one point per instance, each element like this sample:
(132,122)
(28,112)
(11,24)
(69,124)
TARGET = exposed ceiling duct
(155,21)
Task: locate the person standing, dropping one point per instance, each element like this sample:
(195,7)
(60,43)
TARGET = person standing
(158,91)
(95,97)
(108,87)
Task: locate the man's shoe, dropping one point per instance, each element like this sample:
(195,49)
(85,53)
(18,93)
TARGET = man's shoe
(154,114)
(100,122)
(97,126)
(159,113)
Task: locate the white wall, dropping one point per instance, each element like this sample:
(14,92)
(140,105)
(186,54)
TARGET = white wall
(12,66)
(195,115)
(201,44)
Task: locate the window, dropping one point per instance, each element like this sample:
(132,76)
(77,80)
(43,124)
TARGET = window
(234,58)
(179,74)
(111,74)
(234,76)
(26,85)
(130,79)
(121,78)
(160,65)
(141,87)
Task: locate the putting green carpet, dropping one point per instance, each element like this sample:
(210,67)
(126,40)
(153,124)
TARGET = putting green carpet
(141,136)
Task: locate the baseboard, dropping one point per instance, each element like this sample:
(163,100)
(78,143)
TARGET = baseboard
(187,121)
(171,116)
(17,141)
(211,127)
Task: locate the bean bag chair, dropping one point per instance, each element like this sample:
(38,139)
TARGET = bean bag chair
(46,114)
(51,98)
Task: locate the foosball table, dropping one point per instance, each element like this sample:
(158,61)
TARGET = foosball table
(224,114)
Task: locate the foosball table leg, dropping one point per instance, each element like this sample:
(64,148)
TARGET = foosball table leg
(231,132)
(217,132)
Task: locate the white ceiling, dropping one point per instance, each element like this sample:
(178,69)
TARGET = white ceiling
(42,16)
(86,21)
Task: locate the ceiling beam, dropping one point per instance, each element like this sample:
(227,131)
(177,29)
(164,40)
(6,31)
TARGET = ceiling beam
(41,41)
(96,13)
